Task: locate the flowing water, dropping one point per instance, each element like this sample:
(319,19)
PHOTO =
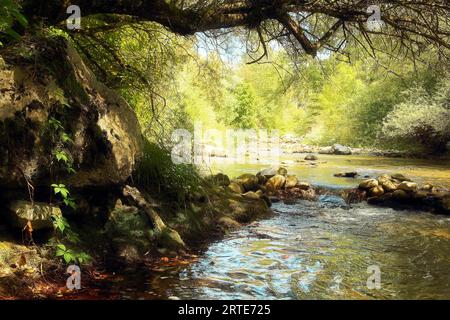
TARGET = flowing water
(324,249)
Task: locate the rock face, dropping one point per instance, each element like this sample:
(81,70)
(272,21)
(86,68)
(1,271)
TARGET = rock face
(47,91)
(39,214)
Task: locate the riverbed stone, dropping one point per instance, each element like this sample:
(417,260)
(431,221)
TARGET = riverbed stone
(38,213)
(376,191)
(248,181)
(236,187)
(268,172)
(291,181)
(251,195)
(368,184)
(303,185)
(389,185)
(341,150)
(326,150)
(400,177)
(276,182)
(228,223)
(311,157)
(400,195)
(282,171)
(408,186)
(351,174)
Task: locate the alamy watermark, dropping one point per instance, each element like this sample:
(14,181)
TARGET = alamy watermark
(374,22)
(374,280)
(74,280)
(243,146)
(74,20)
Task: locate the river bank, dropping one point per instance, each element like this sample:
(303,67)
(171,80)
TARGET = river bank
(155,276)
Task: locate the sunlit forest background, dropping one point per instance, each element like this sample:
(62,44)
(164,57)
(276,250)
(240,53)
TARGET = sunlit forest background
(361,97)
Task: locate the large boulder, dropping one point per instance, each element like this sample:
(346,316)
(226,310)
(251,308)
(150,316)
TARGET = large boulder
(39,214)
(336,149)
(341,150)
(326,150)
(47,91)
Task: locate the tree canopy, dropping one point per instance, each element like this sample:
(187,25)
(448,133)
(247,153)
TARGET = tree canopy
(305,25)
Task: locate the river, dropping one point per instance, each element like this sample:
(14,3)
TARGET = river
(320,250)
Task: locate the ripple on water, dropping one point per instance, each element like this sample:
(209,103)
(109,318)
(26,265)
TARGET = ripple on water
(313,252)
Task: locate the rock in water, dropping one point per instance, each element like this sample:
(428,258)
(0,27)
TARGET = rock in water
(311,157)
(304,185)
(400,177)
(368,184)
(276,182)
(341,150)
(291,181)
(282,171)
(326,150)
(376,191)
(248,181)
(40,214)
(408,186)
(346,174)
(267,173)
(236,187)
(107,141)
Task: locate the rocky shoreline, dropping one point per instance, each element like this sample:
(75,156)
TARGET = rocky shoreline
(395,191)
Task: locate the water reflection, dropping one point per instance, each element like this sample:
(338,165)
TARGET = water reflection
(311,251)
(322,250)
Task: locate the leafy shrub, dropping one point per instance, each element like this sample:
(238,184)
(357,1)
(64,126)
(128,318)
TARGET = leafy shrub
(9,14)
(157,171)
(422,119)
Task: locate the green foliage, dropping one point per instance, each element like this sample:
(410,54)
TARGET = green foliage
(422,119)
(9,14)
(176,181)
(65,232)
(71,256)
(64,192)
(61,155)
(244,110)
